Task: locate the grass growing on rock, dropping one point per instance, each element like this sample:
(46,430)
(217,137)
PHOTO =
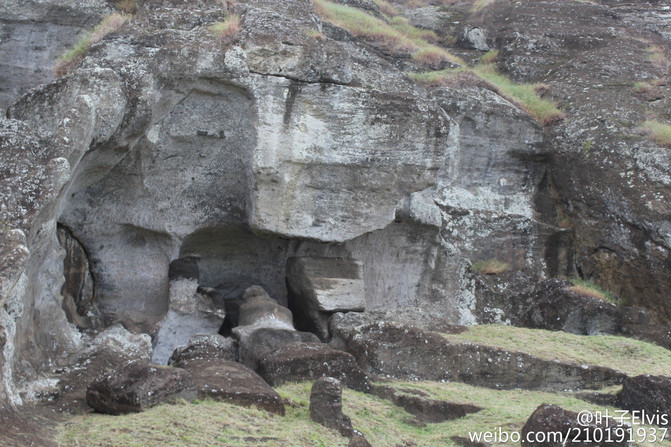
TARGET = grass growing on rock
(525,96)
(590,289)
(228,29)
(396,35)
(491,267)
(658,131)
(632,357)
(71,58)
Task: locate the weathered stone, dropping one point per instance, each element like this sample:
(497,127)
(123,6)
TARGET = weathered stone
(138,386)
(432,410)
(320,286)
(190,313)
(552,426)
(649,395)
(205,347)
(326,406)
(119,342)
(401,351)
(259,310)
(256,345)
(296,362)
(232,382)
(358,440)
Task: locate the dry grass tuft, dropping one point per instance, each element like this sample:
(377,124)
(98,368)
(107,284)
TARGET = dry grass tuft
(658,131)
(396,35)
(228,29)
(126,6)
(72,57)
(491,267)
(591,290)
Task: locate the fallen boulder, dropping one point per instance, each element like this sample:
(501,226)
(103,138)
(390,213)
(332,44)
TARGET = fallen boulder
(296,362)
(552,426)
(137,386)
(205,346)
(233,382)
(647,394)
(254,346)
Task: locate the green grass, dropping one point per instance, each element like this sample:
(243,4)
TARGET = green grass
(524,96)
(632,357)
(210,423)
(396,35)
(658,131)
(491,267)
(590,289)
(71,58)
(206,423)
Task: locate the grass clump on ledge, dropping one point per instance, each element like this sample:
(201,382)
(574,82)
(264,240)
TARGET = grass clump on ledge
(396,35)
(71,58)
(628,355)
(658,131)
(228,29)
(525,96)
(590,289)
(491,267)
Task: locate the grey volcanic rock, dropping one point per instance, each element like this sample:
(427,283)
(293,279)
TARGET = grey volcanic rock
(320,286)
(547,419)
(138,386)
(190,313)
(34,35)
(232,382)
(326,406)
(649,395)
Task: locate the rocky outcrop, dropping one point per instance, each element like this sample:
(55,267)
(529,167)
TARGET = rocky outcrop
(232,382)
(34,35)
(138,386)
(404,352)
(647,395)
(553,426)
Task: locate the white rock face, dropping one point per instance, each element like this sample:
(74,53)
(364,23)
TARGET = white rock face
(328,284)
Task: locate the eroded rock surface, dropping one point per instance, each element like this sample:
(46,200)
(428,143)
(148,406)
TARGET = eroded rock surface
(138,386)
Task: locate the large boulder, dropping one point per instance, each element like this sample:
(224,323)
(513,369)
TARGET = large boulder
(138,386)
(297,362)
(552,426)
(326,406)
(256,345)
(650,395)
(320,286)
(205,346)
(233,382)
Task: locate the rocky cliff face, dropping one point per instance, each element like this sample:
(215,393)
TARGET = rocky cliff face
(296,139)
